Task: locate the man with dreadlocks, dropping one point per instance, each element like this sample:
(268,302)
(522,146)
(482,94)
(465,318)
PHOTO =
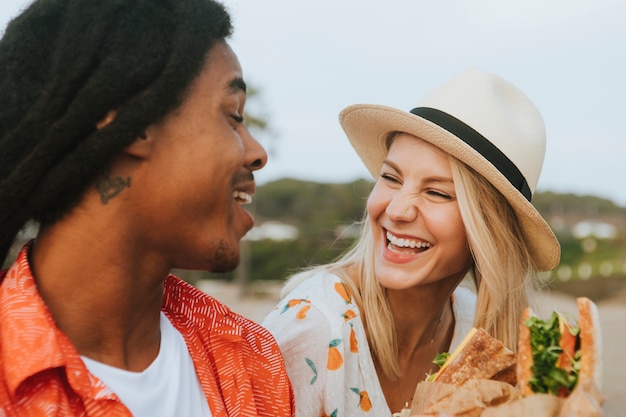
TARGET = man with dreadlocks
(121,135)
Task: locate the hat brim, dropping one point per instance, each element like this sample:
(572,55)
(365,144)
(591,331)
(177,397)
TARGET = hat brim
(368,126)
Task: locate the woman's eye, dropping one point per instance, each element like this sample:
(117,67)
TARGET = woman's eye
(388,177)
(438,196)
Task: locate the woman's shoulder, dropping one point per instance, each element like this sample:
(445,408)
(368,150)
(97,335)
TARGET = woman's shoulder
(321,286)
(321,292)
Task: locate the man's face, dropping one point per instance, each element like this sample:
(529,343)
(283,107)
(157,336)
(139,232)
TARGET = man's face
(200,171)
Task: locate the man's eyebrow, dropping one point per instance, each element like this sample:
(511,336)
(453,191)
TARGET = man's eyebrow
(237,84)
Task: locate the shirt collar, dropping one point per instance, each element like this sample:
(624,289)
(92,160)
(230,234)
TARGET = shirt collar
(192,306)
(28,336)
(28,330)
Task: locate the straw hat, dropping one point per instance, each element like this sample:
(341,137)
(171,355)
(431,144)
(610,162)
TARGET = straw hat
(482,120)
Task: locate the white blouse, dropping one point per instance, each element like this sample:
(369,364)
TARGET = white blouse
(319,330)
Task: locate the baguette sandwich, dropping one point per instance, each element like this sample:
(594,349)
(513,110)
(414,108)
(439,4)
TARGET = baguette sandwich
(555,354)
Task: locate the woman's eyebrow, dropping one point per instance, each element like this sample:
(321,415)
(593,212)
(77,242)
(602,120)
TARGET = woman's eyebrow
(429,180)
(438,179)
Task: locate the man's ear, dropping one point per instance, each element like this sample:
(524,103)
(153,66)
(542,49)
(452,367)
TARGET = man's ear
(142,146)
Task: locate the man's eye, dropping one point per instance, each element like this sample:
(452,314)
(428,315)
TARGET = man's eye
(238,119)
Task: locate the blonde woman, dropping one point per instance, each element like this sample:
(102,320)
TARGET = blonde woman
(450,240)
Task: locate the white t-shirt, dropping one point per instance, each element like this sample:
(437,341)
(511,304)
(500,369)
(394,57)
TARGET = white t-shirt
(168,387)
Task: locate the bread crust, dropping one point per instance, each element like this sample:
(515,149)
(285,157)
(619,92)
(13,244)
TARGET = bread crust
(524,355)
(508,375)
(590,346)
(483,357)
(590,342)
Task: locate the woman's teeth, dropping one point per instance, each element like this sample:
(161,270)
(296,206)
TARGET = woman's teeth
(406,243)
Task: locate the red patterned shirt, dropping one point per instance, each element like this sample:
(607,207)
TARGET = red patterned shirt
(238,362)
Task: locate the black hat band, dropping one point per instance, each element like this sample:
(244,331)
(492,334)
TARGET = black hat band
(479,143)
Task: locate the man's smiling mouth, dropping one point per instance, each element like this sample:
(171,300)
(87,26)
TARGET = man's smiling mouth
(242,198)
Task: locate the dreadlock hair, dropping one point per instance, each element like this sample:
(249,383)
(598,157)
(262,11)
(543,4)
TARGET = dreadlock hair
(64,64)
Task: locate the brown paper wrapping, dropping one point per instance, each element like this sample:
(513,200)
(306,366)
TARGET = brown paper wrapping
(486,398)
(539,405)
(585,401)
(467,401)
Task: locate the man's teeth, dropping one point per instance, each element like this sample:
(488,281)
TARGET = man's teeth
(406,243)
(243,198)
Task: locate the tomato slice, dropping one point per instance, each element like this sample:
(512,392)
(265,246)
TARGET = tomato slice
(569,336)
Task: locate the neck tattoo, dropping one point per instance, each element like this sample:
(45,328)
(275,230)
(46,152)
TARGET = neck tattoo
(406,410)
(111,187)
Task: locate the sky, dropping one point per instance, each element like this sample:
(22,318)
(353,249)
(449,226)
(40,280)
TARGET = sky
(309,60)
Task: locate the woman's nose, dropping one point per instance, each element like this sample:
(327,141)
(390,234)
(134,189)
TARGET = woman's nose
(402,207)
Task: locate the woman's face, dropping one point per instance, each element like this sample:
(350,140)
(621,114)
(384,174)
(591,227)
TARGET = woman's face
(419,235)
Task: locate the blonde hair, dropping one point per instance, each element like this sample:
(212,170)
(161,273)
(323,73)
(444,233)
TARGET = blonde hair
(503,269)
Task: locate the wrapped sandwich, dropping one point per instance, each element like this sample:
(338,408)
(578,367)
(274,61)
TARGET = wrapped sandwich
(556,372)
